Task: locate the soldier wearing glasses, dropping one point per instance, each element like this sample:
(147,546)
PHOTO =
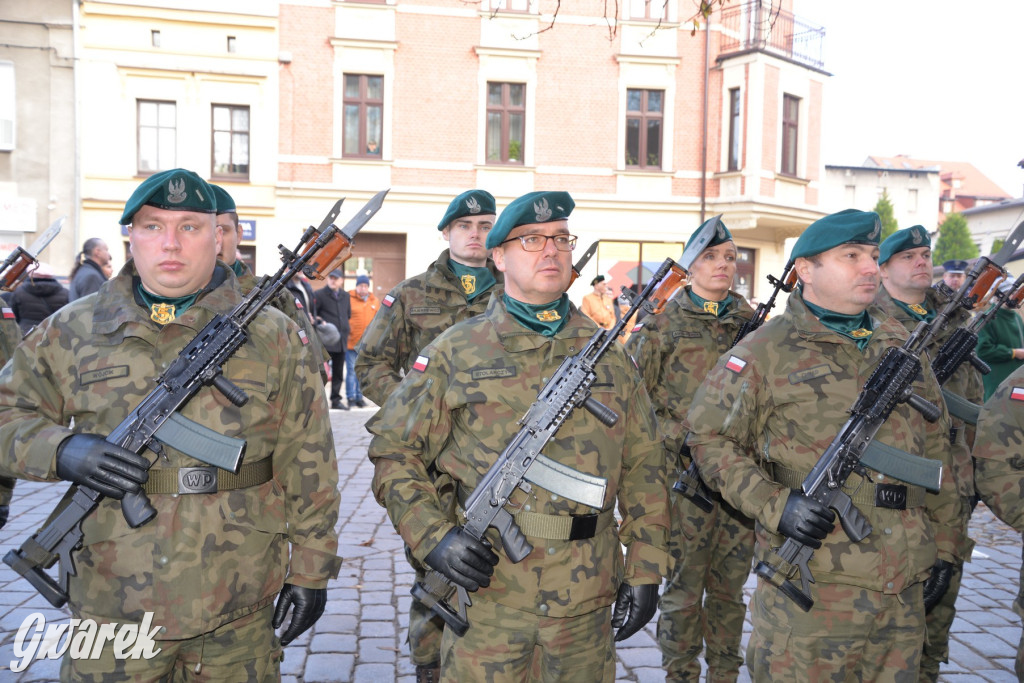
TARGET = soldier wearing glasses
(458,409)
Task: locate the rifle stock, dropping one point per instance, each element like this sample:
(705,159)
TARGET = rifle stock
(198,364)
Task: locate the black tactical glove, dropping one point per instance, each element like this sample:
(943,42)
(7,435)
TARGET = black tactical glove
(5,510)
(936,585)
(89,460)
(463,560)
(309,605)
(806,520)
(634,607)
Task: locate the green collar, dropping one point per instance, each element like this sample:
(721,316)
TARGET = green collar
(473,281)
(164,309)
(547,319)
(238,267)
(716,308)
(856,327)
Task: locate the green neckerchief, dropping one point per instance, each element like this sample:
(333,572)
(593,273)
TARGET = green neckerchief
(717,308)
(547,319)
(238,267)
(918,312)
(856,327)
(164,309)
(474,281)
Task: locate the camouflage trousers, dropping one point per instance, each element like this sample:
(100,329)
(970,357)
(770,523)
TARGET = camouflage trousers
(702,605)
(937,625)
(504,644)
(850,634)
(425,628)
(246,649)
(6,490)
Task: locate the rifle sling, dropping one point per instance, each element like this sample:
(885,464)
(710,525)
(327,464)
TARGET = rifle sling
(901,465)
(553,527)
(863,492)
(960,407)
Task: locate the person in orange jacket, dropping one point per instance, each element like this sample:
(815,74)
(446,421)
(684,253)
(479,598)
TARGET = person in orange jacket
(364,307)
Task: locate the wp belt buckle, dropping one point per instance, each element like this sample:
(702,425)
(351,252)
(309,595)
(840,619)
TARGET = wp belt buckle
(891,496)
(197,480)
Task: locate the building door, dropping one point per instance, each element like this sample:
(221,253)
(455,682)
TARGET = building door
(379,255)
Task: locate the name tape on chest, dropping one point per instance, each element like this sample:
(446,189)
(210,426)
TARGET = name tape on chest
(735,364)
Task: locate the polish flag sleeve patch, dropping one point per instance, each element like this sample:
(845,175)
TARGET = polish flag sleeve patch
(303,338)
(421,364)
(8,313)
(736,364)
(637,328)
(1017,394)
(388,300)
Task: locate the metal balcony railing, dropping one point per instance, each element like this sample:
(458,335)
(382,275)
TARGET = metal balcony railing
(757,25)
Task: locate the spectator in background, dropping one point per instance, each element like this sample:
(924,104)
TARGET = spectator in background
(364,306)
(954,273)
(332,305)
(599,305)
(1001,345)
(37,297)
(87,276)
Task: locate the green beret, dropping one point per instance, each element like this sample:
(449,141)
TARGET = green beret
(722,233)
(902,240)
(225,204)
(533,207)
(469,203)
(174,190)
(849,226)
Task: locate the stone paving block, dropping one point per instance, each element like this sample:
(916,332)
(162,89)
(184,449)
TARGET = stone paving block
(379,597)
(294,662)
(333,642)
(966,659)
(649,675)
(640,657)
(332,668)
(372,586)
(377,629)
(639,639)
(378,650)
(41,670)
(337,623)
(375,672)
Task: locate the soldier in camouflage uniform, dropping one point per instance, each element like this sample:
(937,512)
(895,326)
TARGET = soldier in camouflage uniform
(905,262)
(458,409)
(10,335)
(710,551)
(210,564)
(999,468)
(759,423)
(231,235)
(454,288)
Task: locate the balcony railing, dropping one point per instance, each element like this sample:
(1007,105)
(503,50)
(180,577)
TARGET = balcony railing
(756,25)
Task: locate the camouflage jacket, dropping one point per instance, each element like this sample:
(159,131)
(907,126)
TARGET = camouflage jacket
(457,410)
(206,559)
(411,315)
(292,307)
(777,399)
(10,334)
(999,458)
(675,350)
(965,382)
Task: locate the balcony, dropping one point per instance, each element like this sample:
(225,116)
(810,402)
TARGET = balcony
(756,26)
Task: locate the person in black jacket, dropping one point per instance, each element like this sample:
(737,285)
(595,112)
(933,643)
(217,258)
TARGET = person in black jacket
(87,276)
(37,297)
(333,305)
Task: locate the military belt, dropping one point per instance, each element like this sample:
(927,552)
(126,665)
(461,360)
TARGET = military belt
(888,496)
(191,480)
(554,527)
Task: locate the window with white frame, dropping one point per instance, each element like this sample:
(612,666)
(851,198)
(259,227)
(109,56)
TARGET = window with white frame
(506,122)
(7,110)
(230,141)
(644,128)
(157,136)
(790,134)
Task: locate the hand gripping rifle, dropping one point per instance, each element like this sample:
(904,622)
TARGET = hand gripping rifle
(155,420)
(888,386)
(689,483)
(522,463)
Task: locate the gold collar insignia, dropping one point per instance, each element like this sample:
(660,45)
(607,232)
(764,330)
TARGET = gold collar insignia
(711,307)
(468,283)
(860,333)
(161,313)
(918,308)
(548,316)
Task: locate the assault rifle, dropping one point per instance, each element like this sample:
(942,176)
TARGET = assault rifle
(522,463)
(888,386)
(156,419)
(17,264)
(689,483)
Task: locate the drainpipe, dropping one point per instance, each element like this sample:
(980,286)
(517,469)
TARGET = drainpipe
(704,134)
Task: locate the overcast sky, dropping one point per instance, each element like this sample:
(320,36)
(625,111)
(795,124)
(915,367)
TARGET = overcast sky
(931,79)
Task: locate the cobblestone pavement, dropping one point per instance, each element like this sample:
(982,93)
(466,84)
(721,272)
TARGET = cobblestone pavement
(361,637)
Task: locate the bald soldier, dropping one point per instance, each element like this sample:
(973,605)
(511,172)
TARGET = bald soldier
(206,571)
(759,423)
(905,261)
(455,287)
(457,410)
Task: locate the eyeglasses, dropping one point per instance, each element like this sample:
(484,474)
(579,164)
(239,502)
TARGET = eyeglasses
(537,242)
